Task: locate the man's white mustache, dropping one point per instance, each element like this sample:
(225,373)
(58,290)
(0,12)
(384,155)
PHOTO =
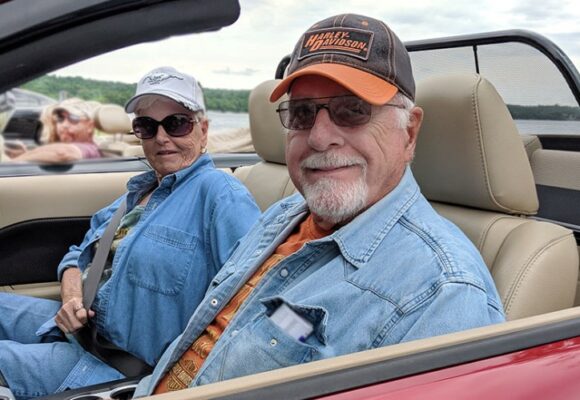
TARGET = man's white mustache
(331,160)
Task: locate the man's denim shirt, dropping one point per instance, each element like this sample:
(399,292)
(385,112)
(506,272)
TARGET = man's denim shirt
(186,233)
(397,272)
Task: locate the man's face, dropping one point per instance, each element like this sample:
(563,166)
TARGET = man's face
(168,154)
(342,171)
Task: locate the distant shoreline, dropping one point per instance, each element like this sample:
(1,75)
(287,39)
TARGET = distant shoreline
(234,100)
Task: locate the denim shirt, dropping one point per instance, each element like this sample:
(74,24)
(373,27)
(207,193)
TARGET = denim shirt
(163,267)
(397,272)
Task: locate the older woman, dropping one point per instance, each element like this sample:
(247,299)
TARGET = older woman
(68,129)
(182,220)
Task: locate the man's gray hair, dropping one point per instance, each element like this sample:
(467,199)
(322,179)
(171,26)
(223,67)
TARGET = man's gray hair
(403,115)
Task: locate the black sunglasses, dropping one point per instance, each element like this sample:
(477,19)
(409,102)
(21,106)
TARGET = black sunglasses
(59,116)
(343,110)
(175,125)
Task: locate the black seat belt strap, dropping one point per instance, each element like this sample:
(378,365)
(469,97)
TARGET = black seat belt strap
(91,282)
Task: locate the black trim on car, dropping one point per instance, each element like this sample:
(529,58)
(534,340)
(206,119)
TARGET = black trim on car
(537,41)
(556,204)
(32,250)
(97,391)
(560,142)
(83,31)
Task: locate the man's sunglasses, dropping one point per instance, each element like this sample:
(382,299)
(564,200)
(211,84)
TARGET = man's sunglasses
(60,116)
(343,110)
(175,125)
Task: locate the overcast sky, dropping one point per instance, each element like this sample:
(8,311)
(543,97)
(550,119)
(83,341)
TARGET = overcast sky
(244,54)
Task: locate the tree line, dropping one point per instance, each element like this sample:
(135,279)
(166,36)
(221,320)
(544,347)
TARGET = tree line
(231,100)
(118,92)
(545,112)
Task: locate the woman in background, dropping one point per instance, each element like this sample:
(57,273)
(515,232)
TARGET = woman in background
(68,129)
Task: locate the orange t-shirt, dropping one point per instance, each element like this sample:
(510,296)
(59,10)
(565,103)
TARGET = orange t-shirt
(184,370)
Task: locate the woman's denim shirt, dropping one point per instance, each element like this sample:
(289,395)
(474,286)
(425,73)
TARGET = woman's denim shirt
(163,267)
(397,272)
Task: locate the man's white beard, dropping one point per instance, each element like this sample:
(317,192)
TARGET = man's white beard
(332,199)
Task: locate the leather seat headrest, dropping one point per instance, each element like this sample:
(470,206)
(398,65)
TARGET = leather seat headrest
(268,134)
(112,118)
(469,151)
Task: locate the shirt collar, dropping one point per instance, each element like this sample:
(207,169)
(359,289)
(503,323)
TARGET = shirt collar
(359,239)
(142,183)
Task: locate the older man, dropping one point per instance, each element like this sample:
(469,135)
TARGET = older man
(365,261)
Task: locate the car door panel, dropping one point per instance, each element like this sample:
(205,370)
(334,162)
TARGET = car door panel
(40,217)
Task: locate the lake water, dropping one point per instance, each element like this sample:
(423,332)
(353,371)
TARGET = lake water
(227,120)
(543,127)
(220,121)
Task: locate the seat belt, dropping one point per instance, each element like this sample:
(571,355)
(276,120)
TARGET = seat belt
(87,336)
(93,278)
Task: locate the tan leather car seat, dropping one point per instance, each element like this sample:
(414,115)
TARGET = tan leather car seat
(113,120)
(471,164)
(268,180)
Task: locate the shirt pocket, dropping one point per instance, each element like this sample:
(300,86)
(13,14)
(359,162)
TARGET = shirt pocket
(263,346)
(161,259)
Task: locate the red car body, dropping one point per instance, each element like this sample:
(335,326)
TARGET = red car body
(550,371)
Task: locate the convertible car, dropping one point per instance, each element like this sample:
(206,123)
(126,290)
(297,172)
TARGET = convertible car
(499,155)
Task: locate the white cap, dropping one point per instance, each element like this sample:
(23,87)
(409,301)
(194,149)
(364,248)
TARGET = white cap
(170,83)
(78,107)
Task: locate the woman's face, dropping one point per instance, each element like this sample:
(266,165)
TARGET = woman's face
(168,154)
(72,128)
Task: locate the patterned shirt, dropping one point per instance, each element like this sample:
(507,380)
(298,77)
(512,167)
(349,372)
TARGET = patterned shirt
(128,221)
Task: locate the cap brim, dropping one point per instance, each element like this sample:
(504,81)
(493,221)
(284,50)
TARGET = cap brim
(366,86)
(132,103)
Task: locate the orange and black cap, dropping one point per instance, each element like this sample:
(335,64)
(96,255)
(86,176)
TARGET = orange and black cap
(360,53)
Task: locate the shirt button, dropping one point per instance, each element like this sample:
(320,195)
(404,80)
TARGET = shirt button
(273,342)
(230,268)
(235,332)
(214,302)
(258,252)
(284,273)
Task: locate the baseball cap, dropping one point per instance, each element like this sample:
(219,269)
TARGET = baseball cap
(170,83)
(360,53)
(78,107)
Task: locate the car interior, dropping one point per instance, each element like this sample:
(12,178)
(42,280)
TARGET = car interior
(474,167)
(494,203)
(514,195)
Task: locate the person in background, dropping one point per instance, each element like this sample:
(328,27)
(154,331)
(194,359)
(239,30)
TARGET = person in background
(183,218)
(68,130)
(359,259)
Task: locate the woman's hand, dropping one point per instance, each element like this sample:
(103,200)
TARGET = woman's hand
(72,316)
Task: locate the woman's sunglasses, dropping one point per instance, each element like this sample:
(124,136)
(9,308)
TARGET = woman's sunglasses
(343,110)
(60,116)
(175,125)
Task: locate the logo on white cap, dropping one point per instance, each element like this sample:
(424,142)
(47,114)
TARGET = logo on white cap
(170,83)
(156,79)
